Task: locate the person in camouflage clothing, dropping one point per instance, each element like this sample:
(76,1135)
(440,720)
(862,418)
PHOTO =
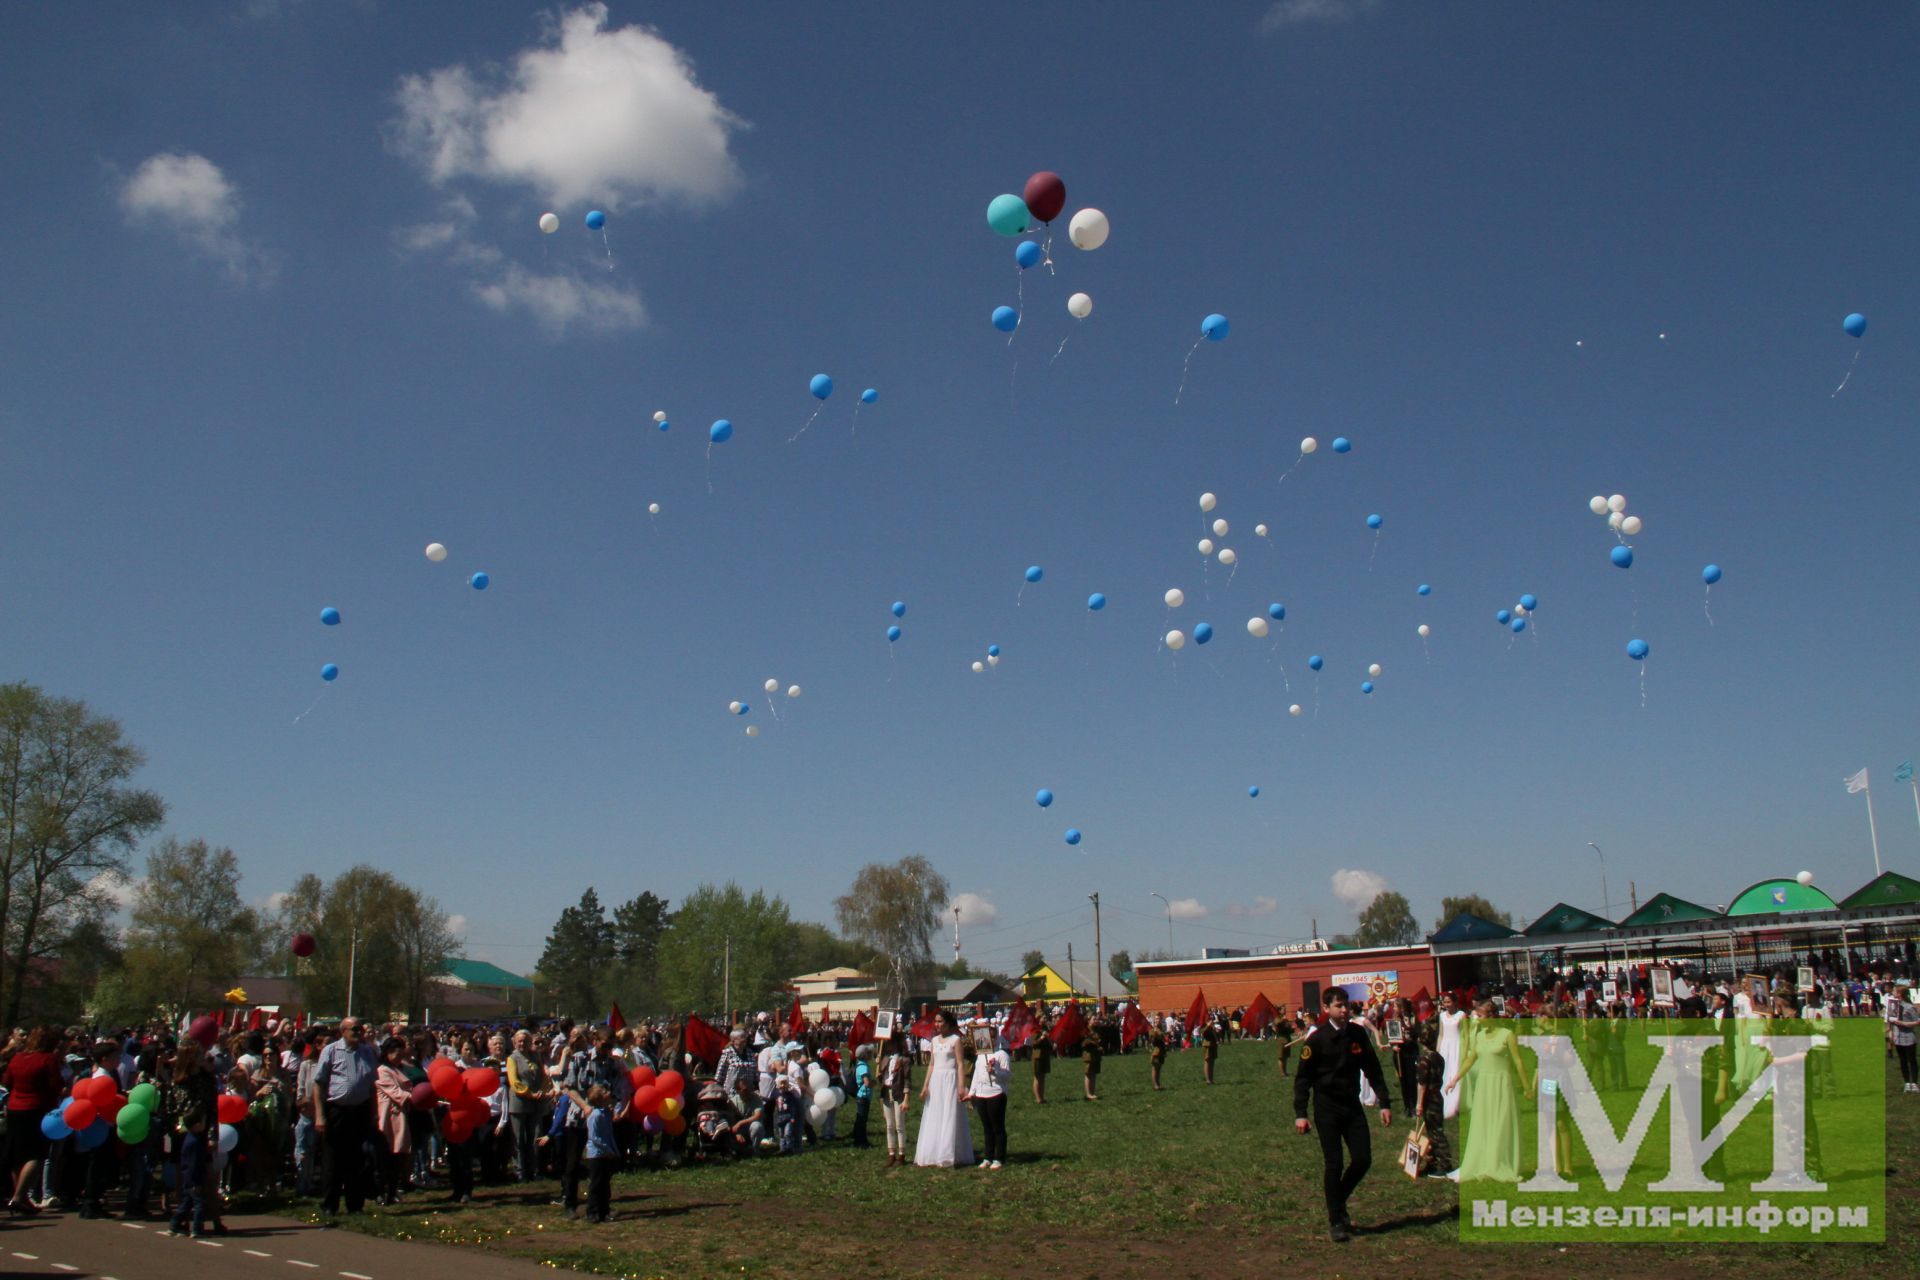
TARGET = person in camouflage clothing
(1430,1074)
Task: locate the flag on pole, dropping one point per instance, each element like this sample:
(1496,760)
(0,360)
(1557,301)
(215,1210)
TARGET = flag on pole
(1133,1025)
(1258,1014)
(861,1032)
(616,1023)
(1197,1011)
(795,1022)
(1857,783)
(1069,1029)
(1904,773)
(1020,1024)
(702,1040)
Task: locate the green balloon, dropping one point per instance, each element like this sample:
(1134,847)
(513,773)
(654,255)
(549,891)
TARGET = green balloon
(1008,215)
(133,1122)
(142,1095)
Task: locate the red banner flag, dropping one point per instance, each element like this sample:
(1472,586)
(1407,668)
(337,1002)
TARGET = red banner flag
(795,1023)
(1258,1014)
(1070,1030)
(1020,1024)
(1197,1011)
(924,1026)
(861,1032)
(702,1041)
(256,1019)
(1133,1025)
(616,1023)
(1421,996)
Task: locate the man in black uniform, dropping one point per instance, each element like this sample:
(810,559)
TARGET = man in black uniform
(1331,1063)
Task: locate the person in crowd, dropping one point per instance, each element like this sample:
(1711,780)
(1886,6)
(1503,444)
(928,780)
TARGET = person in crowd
(751,1129)
(1903,1024)
(735,1060)
(1042,1061)
(1333,1062)
(602,1153)
(1156,1053)
(530,1095)
(896,1078)
(393,1096)
(1090,1054)
(343,1085)
(196,1172)
(862,1093)
(306,1104)
(33,1083)
(944,1140)
(988,1091)
(191,1098)
(1429,1077)
(1209,1049)
(790,1111)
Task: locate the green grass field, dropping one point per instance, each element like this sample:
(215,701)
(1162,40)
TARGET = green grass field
(1191,1180)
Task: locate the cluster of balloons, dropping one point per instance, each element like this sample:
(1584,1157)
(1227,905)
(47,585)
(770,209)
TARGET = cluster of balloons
(1515,619)
(1623,525)
(660,1100)
(993,659)
(595,220)
(1042,199)
(465,1093)
(97,1108)
(1044,798)
(899,610)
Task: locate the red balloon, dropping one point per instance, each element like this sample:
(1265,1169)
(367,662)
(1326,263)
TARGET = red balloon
(108,1107)
(303,945)
(456,1130)
(640,1078)
(671,1084)
(1046,195)
(473,1111)
(91,1089)
(231,1108)
(677,1126)
(482,1082)
(80,1113)
(449,1083)
(647,1101)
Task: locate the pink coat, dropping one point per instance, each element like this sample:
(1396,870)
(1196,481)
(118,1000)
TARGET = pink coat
(391,1094)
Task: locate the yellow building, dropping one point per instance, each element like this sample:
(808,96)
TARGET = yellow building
(1079,981)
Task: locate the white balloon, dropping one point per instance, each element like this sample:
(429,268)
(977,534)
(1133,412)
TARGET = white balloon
(1424,630)
(1631,525)
(993,659)
(753,731)
(1257,628)
(979,666)
(1294,710)
(1176,640)
(772,685)
(1374,671)
(1089,229)
(818,1079)
(1309,445)
(1227,556)
(1259,531)
(816,1117)
(549,222)
(653,508)
(793,691)
(1207,501)
(1805,878)
(1618,502)
(1219,528)
(734,706)
(1615,520)
(1597,505)
(823,1099)
(1175,597)
(1206,546)
(1079,306)
(436,552)
(659,415)
(1520,609)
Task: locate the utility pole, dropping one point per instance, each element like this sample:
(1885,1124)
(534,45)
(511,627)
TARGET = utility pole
(353,954)
(1099,965)
(956,933)
(726,979)
(1070,991)
(1169,907)
(1633,893)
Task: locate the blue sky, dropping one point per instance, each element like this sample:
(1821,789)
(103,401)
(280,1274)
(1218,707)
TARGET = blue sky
(279,315)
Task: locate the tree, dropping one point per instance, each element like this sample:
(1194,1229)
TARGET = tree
(577,962)
(1474,903)
(189,933)
(1030,961)
(66,823)
(816,947)
(1387,921)
(894,911)
(714,924)
(1120,965)
(379,944)
(639,924)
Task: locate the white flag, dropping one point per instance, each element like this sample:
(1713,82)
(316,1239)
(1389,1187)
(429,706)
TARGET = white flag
(1857,783)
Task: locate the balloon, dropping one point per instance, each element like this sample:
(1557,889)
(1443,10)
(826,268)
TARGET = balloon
(303,945)
(670,1107)
(720,432)
(1208,502)
(823,1101)
(1215,327)
(329,672)
(229,1137)
(640,1078)
(1254,792)
(436,552)
(1202,632)
(54,1127)
(143,1095)
(1622,557)
(1373,670)
(793,691)
(1006,319)
(1227,555)
(205,1029)
(80,1113)
(1073,835)
(1710,574)
(815,1116)
(659,415)
(993,651)
(133,1123)
(899,608)
(1366,686)
(653,1124)
(1618,502)
(1424,590)
(1342,445)
(1206,546)
(449,1082)
(423,1097)
(481,1082)
(869,396)
(1176,641)
(1615,520)
(1424,630)
(1277,611)
(771,686)
(1597,505)
(1805,878)
(665,425)
(646,1098)
(479,581)
(839,1096)
(1373,521)
(1503,617)
(979,666)
(1518,625)
(1636,649)
(1309,444)
(1316,662)
(818,1079)
(595,220)
(1043,797)
(1294,710)
(671,1083)
(1007,215)
(1259,531)
(753,731)
(1089,229)
(820,385)
(92,1136)
(1045,195)
(1529,602)
(1035,573)
(1026,254)
(893,633)
(231,1108)
(1220,528)
(1630,525)
(549,222)
(1257,627)
(1096,602)
(734,706)
(1079,306)
(330,616)
(1855,324)
(653,508)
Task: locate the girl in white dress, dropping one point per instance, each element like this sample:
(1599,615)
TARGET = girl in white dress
(1451,1019)
(946,1140)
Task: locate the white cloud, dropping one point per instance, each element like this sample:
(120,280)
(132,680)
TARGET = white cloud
(1260,906)
(189,195)
(1358,888)
(1293,13)
(115,889)
(456,215)
(1187,909)
(611,116)
(558,302)
(975,909)
(457,924)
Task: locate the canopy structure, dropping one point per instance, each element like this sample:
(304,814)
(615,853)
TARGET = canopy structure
(1889,889)
(1561,918)
(1468,927)
(1664,908)
(1773,896)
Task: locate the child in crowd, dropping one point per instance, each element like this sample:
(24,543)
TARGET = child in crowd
(194,1179)
(603,1152)
(790,1110)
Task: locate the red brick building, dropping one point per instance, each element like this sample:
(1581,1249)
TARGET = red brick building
(1292,980)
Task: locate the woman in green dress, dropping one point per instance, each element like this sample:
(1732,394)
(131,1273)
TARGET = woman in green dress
(1493,1072)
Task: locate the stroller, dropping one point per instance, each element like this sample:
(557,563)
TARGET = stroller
(712,1128)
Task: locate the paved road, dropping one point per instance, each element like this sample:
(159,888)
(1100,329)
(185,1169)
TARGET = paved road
(259,1248)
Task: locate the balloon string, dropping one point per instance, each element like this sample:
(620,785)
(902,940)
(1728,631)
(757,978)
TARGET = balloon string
(1234,570)
(1706,606)
(1057,350)
(609,246)
(1424,649)
(1375,552)
(1183,372)
(709,466)
(1843,382)
(309,711)
(854,429)
(1016,595)
(1019,289)
(1316,697)
(803,430)
(1643,684)
(1046,249)
(1290,470)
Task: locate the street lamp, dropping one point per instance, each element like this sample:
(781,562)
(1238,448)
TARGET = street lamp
(1606,905)
(1169,907)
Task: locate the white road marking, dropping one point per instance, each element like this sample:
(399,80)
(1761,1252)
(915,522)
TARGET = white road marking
(355,1275)
(61,1266)
(30,1257)
(211,1244)
(256,1253)
(133,1225)
(311,1266)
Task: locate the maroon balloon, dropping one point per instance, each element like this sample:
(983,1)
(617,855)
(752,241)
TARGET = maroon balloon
(303,945)
(424,1098)
(205,1029)
(1046,195)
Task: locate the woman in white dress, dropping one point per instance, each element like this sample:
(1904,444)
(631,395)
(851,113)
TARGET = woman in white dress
(1451,1018)
(946,1140)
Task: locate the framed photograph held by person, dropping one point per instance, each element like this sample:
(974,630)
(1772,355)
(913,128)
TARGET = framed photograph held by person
(883,1025)
(1662,980)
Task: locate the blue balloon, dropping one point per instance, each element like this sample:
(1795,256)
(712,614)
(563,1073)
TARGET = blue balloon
(1215,327)
(1503,617)
(1254,792)
(53,1126)
(1096,602)
(1315,662)
(1636,649)
(1277,611)
(1073,835)
(665,425)
(744,708)
(1007,214)
(330,672)
(330,616)
(1529,602)
(1373,521)
(1035,573)
(820,385)
(720,432)
(92,1136)
(1026,254)
(1006,319)
(1202,632)
(479,581)
(1366,686)
(1342,445)
(893,633)
(1622,556)
(1855,324)
(993,651)
(1518,625)
(899,608)
(596,220)
(1425,590)
(1043,797)
(1710,574)
(869,396)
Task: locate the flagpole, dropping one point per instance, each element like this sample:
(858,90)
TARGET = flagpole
(1873,827)
(1915,784)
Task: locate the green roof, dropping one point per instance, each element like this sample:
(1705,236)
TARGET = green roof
(1664,908)
(1561,918)
(1466,926)
(1779,895)
(1885,890)
(479,973)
